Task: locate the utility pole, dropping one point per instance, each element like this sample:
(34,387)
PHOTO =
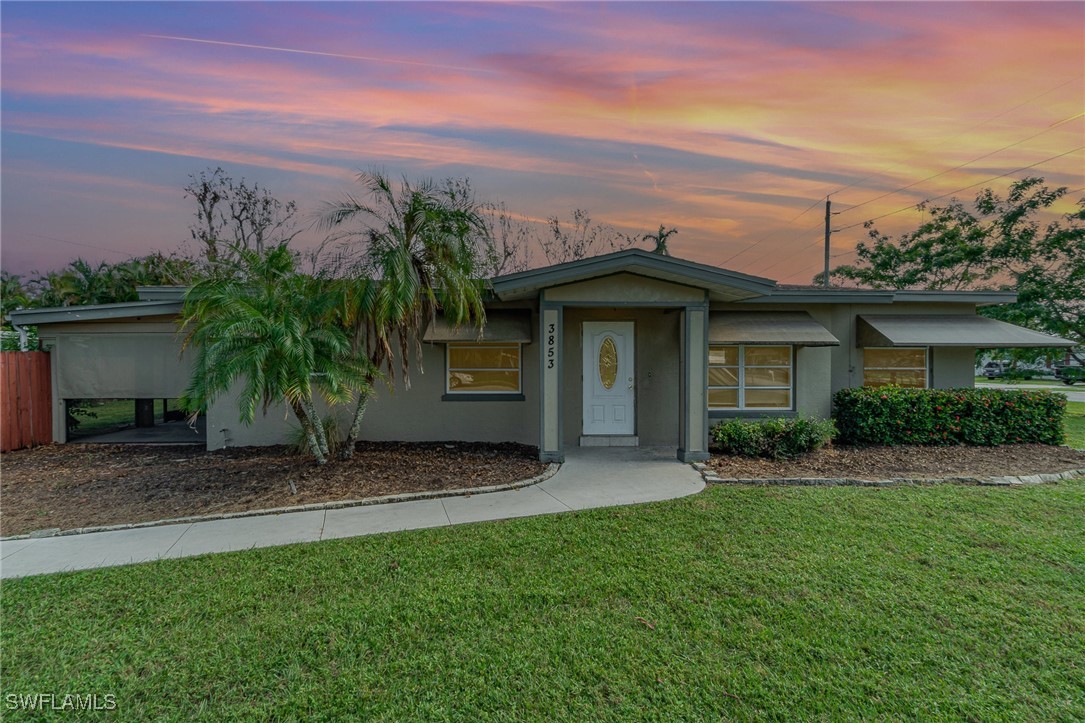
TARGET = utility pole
(828,233)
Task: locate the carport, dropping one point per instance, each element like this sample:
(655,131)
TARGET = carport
(125,351)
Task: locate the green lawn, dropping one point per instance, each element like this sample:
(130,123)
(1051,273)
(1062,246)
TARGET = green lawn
(112,414)
(1075,424)
(1020,382)
(741,602)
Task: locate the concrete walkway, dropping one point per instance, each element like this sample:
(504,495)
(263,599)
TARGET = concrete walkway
(590,477)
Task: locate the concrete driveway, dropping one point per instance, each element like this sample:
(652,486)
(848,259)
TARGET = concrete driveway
(590,477)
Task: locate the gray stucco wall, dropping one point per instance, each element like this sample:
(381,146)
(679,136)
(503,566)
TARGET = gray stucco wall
(952,366)
(411,415)
(658,370)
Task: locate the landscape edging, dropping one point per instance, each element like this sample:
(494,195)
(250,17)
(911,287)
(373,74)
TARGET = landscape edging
(711,477)
(549,472)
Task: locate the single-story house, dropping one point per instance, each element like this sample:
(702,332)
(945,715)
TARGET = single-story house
(623,349)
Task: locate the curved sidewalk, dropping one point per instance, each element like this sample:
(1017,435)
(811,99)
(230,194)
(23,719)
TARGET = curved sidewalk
(590,477)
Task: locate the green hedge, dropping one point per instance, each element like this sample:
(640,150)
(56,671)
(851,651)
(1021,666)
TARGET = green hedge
(984,417)
(775,438)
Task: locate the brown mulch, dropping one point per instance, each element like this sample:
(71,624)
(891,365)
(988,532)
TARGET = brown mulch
(69,486)
(875,463)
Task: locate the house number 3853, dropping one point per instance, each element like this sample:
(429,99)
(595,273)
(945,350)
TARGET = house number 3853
(551,343)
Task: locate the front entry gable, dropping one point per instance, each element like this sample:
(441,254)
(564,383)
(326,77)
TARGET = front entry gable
(625,289)
(637,267)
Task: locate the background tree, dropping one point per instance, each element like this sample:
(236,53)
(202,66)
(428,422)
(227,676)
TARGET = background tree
(507,243)
(578,238)
(996,244)
(420,254)
(659,240)
(270,329)
(237,215)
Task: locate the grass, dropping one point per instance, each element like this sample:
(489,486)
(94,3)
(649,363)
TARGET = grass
(741,602)
(1075,424)
(112,414)
(1020,382)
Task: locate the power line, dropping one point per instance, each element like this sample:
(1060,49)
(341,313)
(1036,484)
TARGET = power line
(855,250)
(77,243)
(967,163)
(817,202)
(796,237)
(988,180)
(766,236)
(974,127)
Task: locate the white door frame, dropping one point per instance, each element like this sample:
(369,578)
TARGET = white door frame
(609,411)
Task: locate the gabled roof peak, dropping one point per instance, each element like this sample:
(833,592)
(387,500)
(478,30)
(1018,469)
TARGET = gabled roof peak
(721,284)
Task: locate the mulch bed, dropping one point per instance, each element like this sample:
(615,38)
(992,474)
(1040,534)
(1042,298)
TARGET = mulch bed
(875,463)
(69,486)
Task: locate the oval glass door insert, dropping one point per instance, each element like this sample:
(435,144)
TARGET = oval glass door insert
(608,363)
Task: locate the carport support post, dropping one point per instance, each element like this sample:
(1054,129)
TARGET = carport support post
(144,412)
(693,441)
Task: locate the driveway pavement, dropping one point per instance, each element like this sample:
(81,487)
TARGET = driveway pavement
(590,477)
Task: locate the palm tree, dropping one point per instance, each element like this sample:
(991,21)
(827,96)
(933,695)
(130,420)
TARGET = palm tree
(419,256)
(268,326)
(660,238)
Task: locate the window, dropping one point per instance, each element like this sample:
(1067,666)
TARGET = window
(483,368)
(900,366)
(749,377)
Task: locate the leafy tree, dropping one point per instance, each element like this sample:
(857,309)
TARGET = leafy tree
(270,328)
(236,215)
(420,255)
(659,238)
(14,294)
(998,243)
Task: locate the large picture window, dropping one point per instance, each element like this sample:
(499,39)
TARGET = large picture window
(483,368)
(900,366)
(749,377)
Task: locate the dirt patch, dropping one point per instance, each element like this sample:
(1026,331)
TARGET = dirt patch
(84,485)
(874,463)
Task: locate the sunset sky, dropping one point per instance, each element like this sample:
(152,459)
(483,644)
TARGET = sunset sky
(728,121)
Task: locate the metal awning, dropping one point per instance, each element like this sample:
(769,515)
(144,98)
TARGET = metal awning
(501,325)
(796,328)
(949,330)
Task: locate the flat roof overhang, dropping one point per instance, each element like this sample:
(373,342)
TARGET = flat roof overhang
(721,284)
(794,328)
(963,330)
(97,312)
(511,325)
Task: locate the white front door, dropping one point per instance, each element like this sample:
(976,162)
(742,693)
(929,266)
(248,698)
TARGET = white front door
(609,382)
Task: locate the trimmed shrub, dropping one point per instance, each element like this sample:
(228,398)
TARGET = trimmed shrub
(894,416)
(774,438)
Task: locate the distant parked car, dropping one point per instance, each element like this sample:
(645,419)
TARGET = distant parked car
(1069,375)
(995,369)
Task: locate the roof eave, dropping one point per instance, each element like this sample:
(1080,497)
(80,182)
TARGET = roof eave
(98,312)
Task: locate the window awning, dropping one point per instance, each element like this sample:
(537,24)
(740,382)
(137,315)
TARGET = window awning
(501,325)
(796,328)
(949,330)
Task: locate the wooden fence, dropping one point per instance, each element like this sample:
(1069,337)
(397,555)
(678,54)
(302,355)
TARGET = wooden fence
(26,410)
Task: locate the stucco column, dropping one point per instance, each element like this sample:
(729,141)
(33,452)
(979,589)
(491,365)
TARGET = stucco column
(693,438)
(551,448)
